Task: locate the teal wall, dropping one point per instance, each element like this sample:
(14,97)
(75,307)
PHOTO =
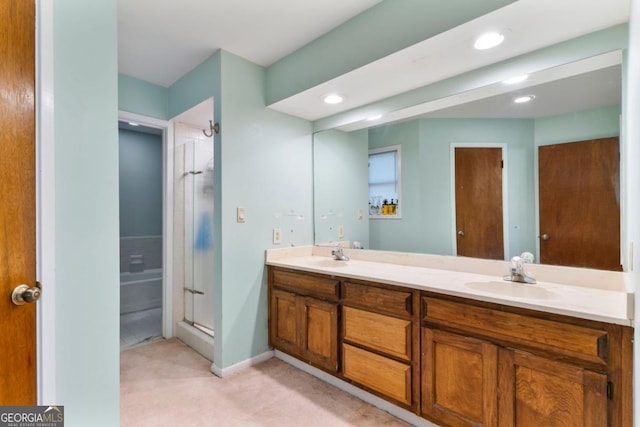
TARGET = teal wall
(87,300)
(341,186)
(141,97)
(199,84)
(436,138)
(427,221)
(265,166)
(375,33)
(140,178)
(262,163)
(578,126)
(426,224)
(401,234)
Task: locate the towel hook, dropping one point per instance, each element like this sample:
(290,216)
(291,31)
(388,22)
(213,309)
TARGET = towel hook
(212,128)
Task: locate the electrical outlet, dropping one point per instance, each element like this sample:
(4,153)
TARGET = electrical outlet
(340,231)
(277,236)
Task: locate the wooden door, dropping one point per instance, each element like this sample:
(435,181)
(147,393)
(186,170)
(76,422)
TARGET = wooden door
(17,201)
(579,185)
(459,379)
(283,319)
(478,188)
(540,392)
(319,332)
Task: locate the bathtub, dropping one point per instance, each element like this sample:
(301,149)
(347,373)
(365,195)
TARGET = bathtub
(140,291)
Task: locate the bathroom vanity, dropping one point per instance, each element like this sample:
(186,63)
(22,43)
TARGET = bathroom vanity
(454,344)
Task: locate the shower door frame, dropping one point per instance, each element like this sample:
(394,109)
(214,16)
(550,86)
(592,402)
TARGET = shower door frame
(167,212)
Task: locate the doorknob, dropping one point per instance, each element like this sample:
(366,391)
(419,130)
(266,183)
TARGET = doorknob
(544,237)
(461,233)
(23,294)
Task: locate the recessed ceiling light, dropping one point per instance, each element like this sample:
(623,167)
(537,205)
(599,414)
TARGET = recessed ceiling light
(133,124)
(372,118)
(333,98)
(523,99)
(516,79)
(488,40)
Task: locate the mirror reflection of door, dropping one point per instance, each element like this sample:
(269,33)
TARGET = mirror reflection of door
(579,192)
(478,202)
(17,202)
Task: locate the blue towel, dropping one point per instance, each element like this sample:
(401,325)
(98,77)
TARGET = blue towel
(203,238)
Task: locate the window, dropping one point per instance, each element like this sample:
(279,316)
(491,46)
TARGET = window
(384,182)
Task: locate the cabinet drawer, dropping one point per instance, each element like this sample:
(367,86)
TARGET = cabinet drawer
(386,376)
(510,328)
(387,334)
(305,284)
(394,302)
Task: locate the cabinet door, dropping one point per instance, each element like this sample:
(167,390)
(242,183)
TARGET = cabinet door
(319,333)
(283,322)
(535,392)
(459,379)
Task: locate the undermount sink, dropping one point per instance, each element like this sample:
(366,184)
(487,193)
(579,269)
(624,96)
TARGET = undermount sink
(513,289)
(328,263)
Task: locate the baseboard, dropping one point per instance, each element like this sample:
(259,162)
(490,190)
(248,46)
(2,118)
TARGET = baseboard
(230,370)
(372,399)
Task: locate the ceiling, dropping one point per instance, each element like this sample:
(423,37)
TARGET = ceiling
(585,91)
(161,41)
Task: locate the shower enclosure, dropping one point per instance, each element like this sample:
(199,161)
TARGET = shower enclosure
(193,225)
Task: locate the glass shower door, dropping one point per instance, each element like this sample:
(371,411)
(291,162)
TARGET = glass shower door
(197,214)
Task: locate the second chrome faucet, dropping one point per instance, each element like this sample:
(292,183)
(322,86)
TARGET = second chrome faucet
(517,273)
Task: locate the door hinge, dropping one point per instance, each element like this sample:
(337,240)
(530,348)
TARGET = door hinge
(609,390)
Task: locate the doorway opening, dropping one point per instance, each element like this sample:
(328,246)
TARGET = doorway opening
(141,190)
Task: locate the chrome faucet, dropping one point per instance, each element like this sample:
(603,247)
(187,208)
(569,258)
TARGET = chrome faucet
(517,273)
(338,254)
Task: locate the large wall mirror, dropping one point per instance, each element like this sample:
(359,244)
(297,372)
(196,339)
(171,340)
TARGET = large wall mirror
(575,102)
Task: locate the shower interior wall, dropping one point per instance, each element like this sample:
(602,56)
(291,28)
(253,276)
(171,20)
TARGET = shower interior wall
(140,195)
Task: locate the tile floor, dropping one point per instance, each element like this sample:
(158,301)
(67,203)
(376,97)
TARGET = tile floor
(165,383)
(140,327)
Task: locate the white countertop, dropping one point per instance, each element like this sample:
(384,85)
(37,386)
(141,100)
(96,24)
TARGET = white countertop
(606,305)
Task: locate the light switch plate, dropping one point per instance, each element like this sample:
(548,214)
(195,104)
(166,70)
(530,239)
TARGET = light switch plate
(240,216)
(340,231)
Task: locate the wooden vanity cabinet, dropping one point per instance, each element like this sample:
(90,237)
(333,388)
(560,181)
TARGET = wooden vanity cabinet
(455,361)
(485,364)
(303,317)
(379,336)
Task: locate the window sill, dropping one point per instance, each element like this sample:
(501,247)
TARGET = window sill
(398,216)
